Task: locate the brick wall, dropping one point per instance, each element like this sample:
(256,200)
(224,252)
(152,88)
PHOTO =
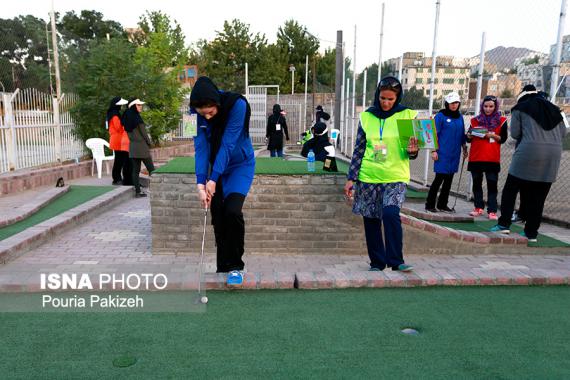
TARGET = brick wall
(283,214)
(300,215)
(33,178)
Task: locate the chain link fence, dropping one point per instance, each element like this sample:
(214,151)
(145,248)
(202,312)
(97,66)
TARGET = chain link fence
(497,69)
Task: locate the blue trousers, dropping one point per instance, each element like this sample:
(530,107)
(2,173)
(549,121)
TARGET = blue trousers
(385,252)
(276,152)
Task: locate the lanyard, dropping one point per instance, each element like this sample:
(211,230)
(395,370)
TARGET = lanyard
(381,128)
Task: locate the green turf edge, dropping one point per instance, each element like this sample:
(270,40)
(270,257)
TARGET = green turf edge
(76,196)
(263,165)
(485,226)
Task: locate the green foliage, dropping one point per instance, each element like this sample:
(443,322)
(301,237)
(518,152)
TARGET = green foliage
(107,71)
(223,59)
(78,30)
(531,61)
(506,93)
(297,42)
(326,68)
(415,99)
(164,38)
(118,68)
(23,53)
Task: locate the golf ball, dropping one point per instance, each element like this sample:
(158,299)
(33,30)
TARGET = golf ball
(204,299)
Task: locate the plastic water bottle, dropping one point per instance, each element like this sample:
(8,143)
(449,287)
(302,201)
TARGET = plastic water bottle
(311,161)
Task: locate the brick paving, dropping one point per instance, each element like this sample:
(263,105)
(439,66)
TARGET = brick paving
(121,237)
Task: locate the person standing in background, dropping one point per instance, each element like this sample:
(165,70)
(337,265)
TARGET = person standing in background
(276,127)
(538,128)
(139,147)
(119,143)
(451,139)
(488,131)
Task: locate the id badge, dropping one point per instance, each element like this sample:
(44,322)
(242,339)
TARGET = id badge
(380,152)
(277,127)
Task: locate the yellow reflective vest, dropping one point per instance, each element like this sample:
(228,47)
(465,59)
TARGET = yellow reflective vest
(385,160)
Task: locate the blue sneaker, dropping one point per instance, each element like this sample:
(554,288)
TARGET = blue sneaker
(500,229)
(530,240)
(235,278)
(403,268)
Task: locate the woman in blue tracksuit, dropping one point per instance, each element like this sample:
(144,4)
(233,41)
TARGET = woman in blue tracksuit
(225,166)
(451,138)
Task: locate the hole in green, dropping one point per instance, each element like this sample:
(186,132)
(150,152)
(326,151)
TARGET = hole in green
(124,361)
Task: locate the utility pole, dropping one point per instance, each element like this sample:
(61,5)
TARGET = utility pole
(380,53)
(56,119)
(557,54)
(338,81)
(314,68)
(55,53)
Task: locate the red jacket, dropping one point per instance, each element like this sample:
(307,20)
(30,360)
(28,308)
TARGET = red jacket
(482,150)
(119,140)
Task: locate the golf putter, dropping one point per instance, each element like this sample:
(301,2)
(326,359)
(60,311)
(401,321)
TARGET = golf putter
(202,298)
(458,184)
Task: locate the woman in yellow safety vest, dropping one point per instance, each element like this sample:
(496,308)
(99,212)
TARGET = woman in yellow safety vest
(379,173)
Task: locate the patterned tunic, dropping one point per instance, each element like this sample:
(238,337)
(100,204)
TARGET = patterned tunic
(370,198)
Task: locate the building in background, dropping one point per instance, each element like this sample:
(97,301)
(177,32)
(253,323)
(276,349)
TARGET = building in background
(188,75)
(452,73)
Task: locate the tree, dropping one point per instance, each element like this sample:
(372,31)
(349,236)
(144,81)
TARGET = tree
(326,69)
(23,53)
(78,34)
(165,37)
(415,99)
(223,59)
(78,31)
(135,72)
(298,43)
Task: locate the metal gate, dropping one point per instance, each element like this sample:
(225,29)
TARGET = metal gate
(257,98)
(294,117)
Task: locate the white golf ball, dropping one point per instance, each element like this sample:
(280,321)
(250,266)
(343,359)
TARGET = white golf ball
(204,300)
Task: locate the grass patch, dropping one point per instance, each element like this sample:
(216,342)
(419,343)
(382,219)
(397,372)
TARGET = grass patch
(76,196)
(411,193)
(263,165)
(485,225)
(485,333)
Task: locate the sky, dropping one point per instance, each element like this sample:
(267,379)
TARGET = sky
(408,24)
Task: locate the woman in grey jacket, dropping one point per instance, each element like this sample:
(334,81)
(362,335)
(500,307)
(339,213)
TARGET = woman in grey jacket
(537,126)
(139,148)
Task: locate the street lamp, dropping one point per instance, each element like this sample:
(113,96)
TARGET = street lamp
(292,70)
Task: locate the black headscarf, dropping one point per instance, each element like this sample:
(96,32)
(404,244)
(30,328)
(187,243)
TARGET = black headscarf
(319,128)
(204,92)
(131,117)
(449,113)
(276,115)
(114,109)
(377,111)
(546,114)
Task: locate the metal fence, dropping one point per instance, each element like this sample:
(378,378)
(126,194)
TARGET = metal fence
(497,69)
(36,129)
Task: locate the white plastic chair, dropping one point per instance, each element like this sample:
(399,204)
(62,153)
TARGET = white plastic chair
(334,136)
(97,147)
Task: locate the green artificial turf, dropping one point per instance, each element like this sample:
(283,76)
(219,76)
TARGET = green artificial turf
(486,225)
(76,196)
(263,165)
(411,193)
(465,333)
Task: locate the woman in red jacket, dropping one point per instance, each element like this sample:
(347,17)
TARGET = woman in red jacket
(119,143)
(487,132)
